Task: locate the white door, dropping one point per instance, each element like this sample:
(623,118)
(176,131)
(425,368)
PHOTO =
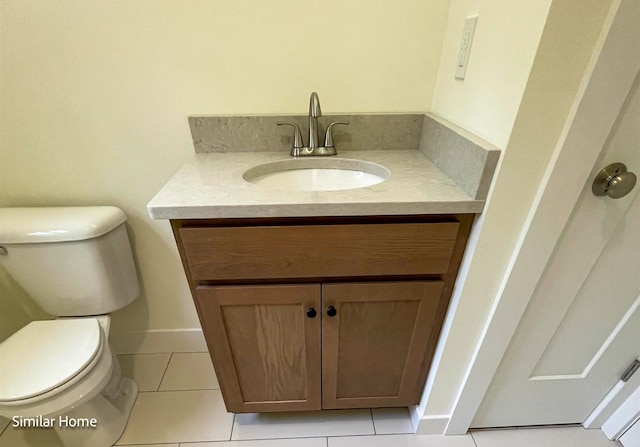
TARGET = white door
(581,329)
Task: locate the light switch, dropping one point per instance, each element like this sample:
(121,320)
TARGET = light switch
(465,46)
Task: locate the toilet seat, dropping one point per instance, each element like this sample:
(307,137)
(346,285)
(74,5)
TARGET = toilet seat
(47,357)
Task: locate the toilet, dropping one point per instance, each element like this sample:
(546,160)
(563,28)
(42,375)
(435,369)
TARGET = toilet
(76,264)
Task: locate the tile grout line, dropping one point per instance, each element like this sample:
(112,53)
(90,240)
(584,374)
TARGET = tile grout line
(473,439)
(326,439)
(373,422)
(233,423)
(185,389)
(164,373)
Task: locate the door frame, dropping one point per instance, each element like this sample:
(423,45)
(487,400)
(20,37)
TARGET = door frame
(625,417)
(602,93)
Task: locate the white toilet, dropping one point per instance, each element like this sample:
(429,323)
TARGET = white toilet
(75,263)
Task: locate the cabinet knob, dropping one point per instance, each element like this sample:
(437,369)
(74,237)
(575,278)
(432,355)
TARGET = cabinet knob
(331,311)
(311,312)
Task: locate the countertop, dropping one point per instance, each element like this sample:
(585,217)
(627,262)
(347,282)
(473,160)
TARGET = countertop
(211,186)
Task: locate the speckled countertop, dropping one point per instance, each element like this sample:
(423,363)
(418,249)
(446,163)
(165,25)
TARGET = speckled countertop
(211,186)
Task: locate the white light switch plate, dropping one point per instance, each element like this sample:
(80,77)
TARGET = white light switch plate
(465,46)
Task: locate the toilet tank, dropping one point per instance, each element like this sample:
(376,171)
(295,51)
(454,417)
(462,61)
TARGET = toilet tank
(72,261)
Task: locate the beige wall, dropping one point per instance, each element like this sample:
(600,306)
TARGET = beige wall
(15,313)
(505,41)
(95,97)
(568,40)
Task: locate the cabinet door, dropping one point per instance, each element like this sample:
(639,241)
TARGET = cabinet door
(265,348)
(375,347)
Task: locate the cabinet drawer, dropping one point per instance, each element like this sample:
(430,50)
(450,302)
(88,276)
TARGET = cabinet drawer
(316,251)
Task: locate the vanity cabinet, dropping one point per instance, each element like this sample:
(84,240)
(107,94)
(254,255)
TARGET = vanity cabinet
(374,345)
(320,313)
(267,351)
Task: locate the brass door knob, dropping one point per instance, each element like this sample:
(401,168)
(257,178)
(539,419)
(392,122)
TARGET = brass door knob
(614,181)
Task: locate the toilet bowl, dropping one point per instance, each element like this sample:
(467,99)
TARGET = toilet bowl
(70,381)
(75,263)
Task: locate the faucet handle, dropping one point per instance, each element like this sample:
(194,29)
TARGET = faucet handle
(297,137)
(328,136)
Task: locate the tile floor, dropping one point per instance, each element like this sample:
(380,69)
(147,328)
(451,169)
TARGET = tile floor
(180,405)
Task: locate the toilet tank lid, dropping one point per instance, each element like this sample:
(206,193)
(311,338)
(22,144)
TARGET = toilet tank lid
(57,224)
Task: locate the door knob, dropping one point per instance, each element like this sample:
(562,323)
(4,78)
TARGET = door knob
(614,181)
(331,311)
(311,312)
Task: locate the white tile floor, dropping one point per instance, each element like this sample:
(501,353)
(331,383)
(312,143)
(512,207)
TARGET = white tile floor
(180,405)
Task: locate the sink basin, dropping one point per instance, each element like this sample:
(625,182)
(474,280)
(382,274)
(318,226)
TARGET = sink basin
(317,174)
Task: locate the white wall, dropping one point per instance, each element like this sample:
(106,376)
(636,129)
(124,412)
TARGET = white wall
(486,103)
(506,38)
(95,97)
(570,33)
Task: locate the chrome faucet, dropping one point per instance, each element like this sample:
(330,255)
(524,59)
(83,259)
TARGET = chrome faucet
(314,113)
(298,149)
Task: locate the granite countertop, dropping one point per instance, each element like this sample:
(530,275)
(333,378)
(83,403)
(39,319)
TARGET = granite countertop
(211,186)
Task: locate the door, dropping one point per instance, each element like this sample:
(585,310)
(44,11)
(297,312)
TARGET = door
(376,338)
(581,329)
(265,342)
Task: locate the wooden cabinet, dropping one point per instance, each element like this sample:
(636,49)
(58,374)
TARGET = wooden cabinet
(272,343)
(374,346)
(267,349)
(304,314)
(308,251)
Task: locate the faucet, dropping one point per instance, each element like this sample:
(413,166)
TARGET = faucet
(314,113)
(298,149)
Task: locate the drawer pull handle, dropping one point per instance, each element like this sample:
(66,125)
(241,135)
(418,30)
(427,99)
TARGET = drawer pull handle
(331,311)
(311,312)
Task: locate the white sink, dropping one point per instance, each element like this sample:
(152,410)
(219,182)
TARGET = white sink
(317,174)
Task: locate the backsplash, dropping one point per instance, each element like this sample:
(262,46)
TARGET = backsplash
(465,158)
(261,133)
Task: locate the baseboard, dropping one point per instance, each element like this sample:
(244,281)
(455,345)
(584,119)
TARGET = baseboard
(158,341)
(431,425)
(414,414)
